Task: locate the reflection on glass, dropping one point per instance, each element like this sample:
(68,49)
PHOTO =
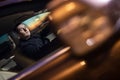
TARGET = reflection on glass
(84,30)
(64,11)
(79,66)
(97,3)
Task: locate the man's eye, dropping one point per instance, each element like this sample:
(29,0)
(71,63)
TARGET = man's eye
(24,29)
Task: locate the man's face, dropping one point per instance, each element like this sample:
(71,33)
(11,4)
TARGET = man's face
(23,31)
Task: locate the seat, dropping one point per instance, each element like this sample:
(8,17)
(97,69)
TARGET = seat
(6,46)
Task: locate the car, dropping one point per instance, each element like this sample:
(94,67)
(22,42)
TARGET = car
(90,43)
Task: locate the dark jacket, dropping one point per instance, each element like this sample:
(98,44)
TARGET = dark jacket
(33,47)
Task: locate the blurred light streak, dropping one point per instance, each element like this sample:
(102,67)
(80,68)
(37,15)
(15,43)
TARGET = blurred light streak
(53,3)
(90,42)
(71,6)
(117,25)
(72,24)
(66,10)
(85,32)
(97,3)
(83,63)
(41,63)
(59,13)
(70,70)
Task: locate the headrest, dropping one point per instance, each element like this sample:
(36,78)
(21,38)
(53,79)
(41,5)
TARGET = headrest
(33,22)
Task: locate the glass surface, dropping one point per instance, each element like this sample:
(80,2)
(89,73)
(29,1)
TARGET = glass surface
(82,28)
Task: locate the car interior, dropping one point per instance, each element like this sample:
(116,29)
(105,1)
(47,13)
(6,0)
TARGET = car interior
(8,36)
(84,38)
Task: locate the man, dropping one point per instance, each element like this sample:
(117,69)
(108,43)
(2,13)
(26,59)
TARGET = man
(31,45)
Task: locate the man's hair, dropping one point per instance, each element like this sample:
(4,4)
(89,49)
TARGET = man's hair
(15,28)
(19,20)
